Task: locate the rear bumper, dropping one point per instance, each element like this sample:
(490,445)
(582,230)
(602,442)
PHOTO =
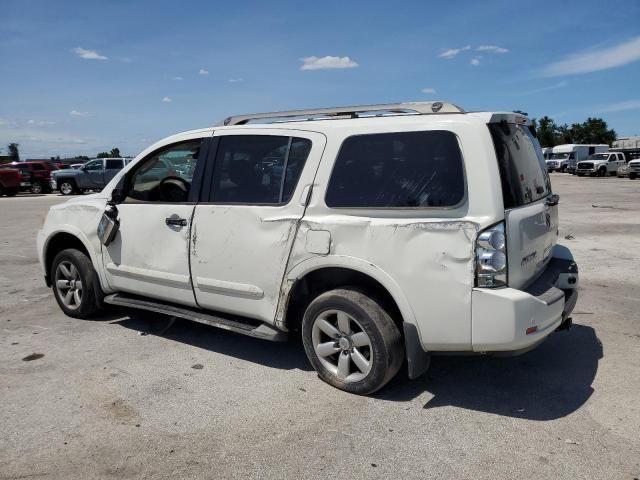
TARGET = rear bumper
(508,319)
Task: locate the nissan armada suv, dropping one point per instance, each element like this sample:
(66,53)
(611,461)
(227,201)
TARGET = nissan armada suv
(377,233)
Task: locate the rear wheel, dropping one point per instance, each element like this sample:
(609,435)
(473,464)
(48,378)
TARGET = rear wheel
(36,187)
(351,341)
(75,284)
(67,187)
(11,192)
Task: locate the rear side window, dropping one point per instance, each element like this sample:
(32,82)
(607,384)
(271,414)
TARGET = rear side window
(523,173)
(401,170)
(113,164)
(258,169)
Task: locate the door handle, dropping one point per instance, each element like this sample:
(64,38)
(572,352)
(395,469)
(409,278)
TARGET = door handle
(175,221)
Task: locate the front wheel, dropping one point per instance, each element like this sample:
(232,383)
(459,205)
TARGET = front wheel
(66,187)
(351,341)
(602,172)
(75,284)
(632,175)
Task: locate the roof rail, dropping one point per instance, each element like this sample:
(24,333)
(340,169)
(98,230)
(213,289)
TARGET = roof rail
(349,112)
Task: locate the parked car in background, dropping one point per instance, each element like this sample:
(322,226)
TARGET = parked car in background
(547,152)
(376,236)
(634,168)
(92,175)
(623,171)
(35,176)
(9,181)
(565,157)
(601,164)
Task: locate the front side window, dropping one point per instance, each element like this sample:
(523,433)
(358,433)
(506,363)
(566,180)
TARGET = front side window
(258,169)
(523,173)
(165,176)
(93,165)
(407,169)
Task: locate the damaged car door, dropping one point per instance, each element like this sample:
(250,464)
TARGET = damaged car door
(149,255)
(245,227)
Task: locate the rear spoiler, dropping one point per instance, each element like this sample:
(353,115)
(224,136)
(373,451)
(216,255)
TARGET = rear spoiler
(510,117)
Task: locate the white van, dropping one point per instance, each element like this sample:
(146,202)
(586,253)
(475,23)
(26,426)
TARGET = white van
(565,157)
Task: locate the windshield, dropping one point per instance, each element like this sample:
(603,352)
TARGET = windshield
(523,173)
(559,156)
(598,156)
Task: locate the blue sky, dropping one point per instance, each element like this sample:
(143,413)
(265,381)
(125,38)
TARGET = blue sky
(81,77)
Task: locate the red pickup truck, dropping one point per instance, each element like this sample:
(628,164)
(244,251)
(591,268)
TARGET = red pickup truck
(9,181)
(35,176)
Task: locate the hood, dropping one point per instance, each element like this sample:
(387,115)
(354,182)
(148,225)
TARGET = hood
(71,172)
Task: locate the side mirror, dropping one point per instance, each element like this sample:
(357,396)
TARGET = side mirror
(117,194)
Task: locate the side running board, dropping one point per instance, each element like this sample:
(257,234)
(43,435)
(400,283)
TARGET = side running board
(233,323)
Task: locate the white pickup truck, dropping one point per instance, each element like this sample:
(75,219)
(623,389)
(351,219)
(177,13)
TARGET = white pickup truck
(601,164)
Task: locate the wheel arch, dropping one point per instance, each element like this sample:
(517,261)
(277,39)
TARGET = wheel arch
(60,240)
(335,271)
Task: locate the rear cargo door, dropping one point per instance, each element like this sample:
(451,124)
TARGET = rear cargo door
(531,211)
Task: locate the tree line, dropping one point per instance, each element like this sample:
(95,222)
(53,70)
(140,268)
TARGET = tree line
(592,130)
(14,153)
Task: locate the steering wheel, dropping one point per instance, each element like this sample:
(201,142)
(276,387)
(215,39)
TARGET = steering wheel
(174,189)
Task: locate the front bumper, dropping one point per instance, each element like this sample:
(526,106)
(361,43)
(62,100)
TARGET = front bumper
(53,184)
(508,319)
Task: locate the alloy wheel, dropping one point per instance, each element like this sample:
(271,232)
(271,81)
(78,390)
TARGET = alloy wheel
(342,345)
(69,285)
(66,188)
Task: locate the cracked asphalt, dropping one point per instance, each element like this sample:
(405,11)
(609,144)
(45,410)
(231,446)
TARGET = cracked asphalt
(119,397)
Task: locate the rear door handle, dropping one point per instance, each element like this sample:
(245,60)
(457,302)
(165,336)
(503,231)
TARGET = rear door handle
(176,221)
(553,200)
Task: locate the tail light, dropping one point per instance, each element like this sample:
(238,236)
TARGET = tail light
(491,257)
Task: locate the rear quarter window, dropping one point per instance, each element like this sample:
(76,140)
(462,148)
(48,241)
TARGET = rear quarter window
(398,170)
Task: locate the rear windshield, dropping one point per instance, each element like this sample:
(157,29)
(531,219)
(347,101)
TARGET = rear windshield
(523,172)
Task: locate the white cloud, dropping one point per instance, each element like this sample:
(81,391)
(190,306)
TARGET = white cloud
(428,90)
(204,72)
(622,106)
(595,60)
(327,63)
(178,78)
(6,122)
(475,61)
(167,100)
(491,49)
(450,53)
(235,80)
(89,54)
(76,113)
(40,123)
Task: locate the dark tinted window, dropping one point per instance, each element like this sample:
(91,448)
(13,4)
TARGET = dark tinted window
(522,171)
(93,165)
(410,169)
(258,169)
(113,164)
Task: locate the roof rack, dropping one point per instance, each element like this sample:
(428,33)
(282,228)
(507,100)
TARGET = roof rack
(406,108)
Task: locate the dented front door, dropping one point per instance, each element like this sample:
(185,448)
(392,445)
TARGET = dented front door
(243,232)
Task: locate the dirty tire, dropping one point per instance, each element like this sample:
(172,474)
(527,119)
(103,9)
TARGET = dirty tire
(91,297)
(386,352)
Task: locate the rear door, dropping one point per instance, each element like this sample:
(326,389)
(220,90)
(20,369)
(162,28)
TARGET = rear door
(244,229)
(111,168)
(530,214)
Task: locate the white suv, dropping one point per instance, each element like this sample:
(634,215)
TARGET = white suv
(377,233)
